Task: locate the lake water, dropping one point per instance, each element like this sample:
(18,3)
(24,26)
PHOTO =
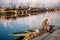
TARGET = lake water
(25,23)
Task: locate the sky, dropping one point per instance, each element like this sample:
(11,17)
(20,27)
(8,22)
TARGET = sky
(30,2)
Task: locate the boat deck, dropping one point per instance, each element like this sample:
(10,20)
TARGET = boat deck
(55,35)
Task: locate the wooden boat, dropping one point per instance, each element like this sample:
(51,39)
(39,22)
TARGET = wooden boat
(32,35)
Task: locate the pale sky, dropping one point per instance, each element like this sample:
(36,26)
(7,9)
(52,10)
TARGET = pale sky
(30,2)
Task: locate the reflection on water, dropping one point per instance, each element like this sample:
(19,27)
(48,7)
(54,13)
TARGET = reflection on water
(25,23)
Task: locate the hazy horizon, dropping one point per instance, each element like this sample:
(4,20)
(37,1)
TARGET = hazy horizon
(32,3)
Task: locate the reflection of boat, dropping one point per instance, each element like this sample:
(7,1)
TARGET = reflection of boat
(24,33)
(8,15)
(30,34)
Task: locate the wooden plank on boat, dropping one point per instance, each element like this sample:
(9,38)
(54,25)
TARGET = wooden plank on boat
(41,36)
(54,36)
(48,36)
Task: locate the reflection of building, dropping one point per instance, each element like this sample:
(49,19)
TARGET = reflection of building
(27,11)
(2,9)
(22,11)
(34,11)
(7,13)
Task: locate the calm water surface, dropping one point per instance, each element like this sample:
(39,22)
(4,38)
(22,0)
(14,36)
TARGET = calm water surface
(20,24)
